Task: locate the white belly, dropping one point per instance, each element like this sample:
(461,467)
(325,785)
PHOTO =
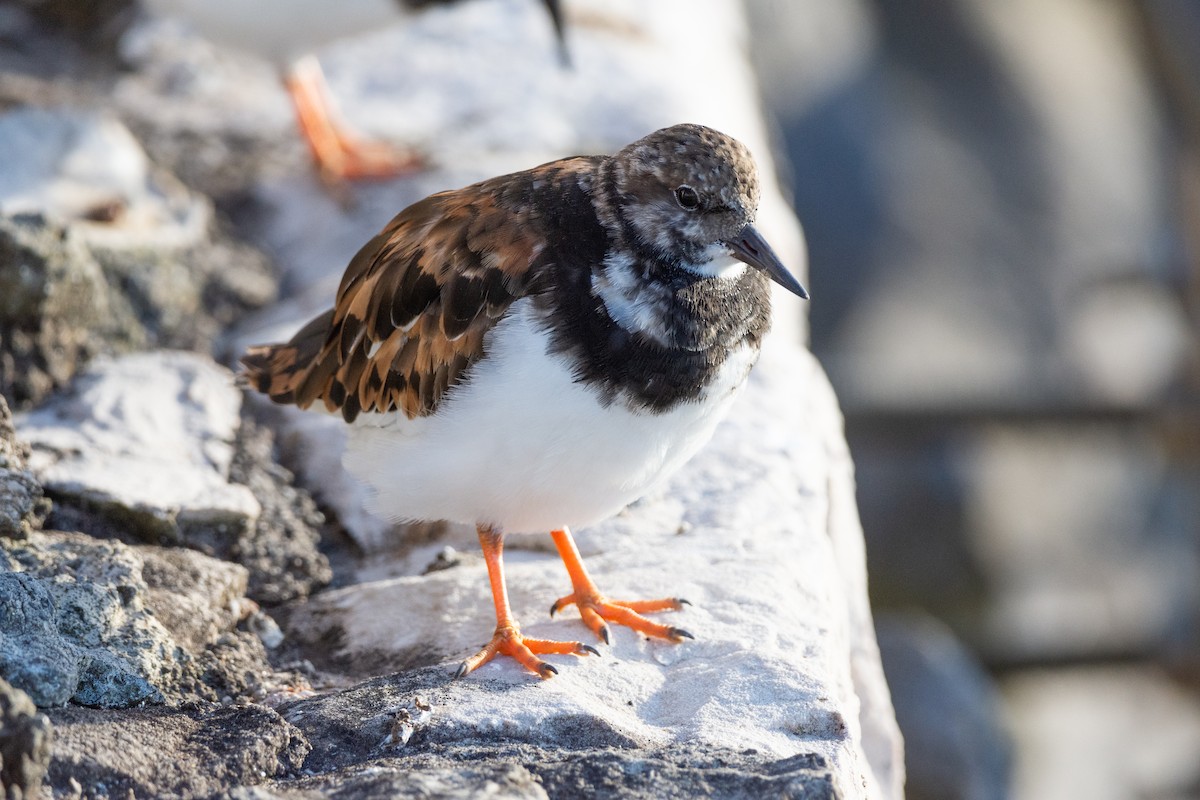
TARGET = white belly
(524,447)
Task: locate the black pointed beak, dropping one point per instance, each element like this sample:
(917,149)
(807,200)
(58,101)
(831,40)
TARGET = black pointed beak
(750,247)
(554,9)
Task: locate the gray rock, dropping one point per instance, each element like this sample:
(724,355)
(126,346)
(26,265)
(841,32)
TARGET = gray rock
(281,550)
(195,751)
(949,711)
(56,311)
(64,301)
(145,443)
(25,742)
(237,668)
(86,170)
(151,447)
(196,598)
(503,781)
(105,624)
(100,252)
(21,505)
(507,770)
(76,626)
(186,299)
(576,755)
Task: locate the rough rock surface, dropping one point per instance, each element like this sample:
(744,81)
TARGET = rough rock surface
(498,767)
(281,550)
(80,621)
(145,442)
(20,493)
(85,169)
(25,739)
(100,252)
(418,719)
(63,301)
(55,308)
(151,447)
(71,636)
(194,751)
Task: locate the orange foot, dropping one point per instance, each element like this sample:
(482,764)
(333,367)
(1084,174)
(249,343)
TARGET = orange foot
(508,641)
(349,158)
(595,608)
(338,153)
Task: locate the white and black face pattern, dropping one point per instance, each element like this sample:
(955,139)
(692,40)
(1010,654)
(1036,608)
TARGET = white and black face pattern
(683,191)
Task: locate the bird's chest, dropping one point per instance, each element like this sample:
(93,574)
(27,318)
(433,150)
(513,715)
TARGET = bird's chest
(560,446)
(649,345)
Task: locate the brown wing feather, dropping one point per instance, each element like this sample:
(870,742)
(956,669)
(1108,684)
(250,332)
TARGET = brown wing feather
(416,302)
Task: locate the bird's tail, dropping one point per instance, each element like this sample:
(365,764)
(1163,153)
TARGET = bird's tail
(290,373)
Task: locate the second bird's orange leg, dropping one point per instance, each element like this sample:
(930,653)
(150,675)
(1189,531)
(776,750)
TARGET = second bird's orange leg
(338,153)
(595,608)
(507,639)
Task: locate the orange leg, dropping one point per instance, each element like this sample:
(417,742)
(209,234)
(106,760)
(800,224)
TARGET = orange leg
(595,608)
(338,153)
(507,640)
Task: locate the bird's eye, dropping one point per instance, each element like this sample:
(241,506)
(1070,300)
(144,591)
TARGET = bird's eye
(687,198)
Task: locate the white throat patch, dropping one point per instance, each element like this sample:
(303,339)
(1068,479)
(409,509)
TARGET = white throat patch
(625,298)
(634,305)
(719,264)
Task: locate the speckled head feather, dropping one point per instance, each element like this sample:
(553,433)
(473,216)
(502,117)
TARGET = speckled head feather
(649,174)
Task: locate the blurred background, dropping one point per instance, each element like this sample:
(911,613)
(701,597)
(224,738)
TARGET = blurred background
(1002,206)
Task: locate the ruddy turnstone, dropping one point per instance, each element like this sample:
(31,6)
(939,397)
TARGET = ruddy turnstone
(540,349)
(286,32)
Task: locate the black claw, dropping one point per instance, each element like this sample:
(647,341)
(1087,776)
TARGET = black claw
(604,635)
(589,648)
(462,670)
(547,670)
(683,601)
(680,633)
(554,608)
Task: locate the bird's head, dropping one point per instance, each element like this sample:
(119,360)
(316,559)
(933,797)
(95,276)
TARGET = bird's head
(689,194)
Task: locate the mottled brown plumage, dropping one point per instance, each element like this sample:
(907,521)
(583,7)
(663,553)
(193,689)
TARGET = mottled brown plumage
(416,301)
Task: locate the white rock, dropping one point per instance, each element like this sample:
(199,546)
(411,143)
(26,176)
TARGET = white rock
(75,165)
(151,432)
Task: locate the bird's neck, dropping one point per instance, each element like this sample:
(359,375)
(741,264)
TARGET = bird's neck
(632,325)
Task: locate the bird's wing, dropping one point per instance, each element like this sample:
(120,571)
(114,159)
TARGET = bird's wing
(417,301)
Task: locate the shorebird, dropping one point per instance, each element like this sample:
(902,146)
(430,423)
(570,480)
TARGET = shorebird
(538,350)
